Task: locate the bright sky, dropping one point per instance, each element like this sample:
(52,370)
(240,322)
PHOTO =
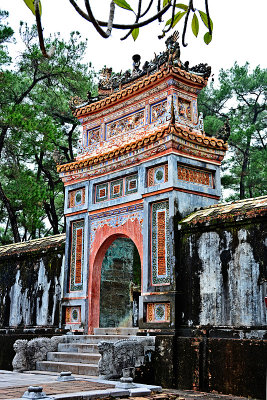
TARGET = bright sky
(239,33)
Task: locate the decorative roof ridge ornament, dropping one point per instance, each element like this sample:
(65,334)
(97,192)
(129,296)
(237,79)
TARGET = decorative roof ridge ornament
(136,85)
(111,82)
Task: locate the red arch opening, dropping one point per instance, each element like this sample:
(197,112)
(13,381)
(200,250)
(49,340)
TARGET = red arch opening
(104,237)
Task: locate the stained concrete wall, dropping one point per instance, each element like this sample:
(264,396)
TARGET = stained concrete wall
(224,365)
(221,275)
(30,289)
(221,319)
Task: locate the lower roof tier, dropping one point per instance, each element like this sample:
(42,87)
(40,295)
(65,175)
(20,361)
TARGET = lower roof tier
(166,139)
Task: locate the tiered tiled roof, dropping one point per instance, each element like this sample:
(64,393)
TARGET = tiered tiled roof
(37,245)
(140,85)
(235,211)
(182,132)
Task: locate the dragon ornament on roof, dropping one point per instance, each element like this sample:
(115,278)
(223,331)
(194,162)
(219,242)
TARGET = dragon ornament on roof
(111,82)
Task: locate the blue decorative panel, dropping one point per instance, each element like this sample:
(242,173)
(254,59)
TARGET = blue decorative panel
(116,188)
(131,184)
(101,192)
(160,255)
(157,175)
(76,197)
(158,312)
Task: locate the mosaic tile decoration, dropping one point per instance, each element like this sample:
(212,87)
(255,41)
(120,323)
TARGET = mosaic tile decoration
(116,188)
(115,218)
(125,124)
(194,175)
(157,175)
(158,312)
(160,257)
(76,197)
(76,260)
(73,315)
(184,108)
(158,110)
(93,136)
(101,192)
(131,184)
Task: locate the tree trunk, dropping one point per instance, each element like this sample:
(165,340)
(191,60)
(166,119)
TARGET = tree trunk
(245,169)
(11,214)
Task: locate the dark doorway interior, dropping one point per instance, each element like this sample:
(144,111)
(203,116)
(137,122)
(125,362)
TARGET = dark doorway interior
(120,285)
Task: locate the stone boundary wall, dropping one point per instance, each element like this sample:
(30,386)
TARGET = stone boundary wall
(221,274)
(229,366)
(30,287)
(220,342)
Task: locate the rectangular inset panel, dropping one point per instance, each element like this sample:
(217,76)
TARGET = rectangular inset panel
(93,136)
(116,188)
(157,175)
(76,261)
(101,192)
(161,243)
(160,257)
(79,251)
(194,175)
(184,108)
(73,315)
(158,312)
(158,110)
(125,124)
(131,184)
(76,197)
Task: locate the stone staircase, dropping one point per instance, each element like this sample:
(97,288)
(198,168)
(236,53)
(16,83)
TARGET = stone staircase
(79,353)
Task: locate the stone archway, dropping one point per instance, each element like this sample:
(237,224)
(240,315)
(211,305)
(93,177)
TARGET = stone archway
(104,238)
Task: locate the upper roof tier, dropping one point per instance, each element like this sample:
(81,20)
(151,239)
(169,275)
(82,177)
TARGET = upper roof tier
(113,86)
(149,105)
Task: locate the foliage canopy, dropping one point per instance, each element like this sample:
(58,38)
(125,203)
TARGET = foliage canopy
(37,129)
(241,97)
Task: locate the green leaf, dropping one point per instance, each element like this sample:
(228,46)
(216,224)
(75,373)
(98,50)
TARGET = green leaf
(176,19)
(135,33)
(207,38)
(30,5)
(123,4)
(165,2)
(195,25)
(183,6)
(204,18)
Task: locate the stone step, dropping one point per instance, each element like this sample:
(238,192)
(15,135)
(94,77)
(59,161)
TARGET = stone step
(85,358)
(116,331)
(78,347)
(74,368)
(95,338)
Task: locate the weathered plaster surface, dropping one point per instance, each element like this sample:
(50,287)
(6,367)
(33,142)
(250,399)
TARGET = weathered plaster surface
(30,290)
(229,279)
